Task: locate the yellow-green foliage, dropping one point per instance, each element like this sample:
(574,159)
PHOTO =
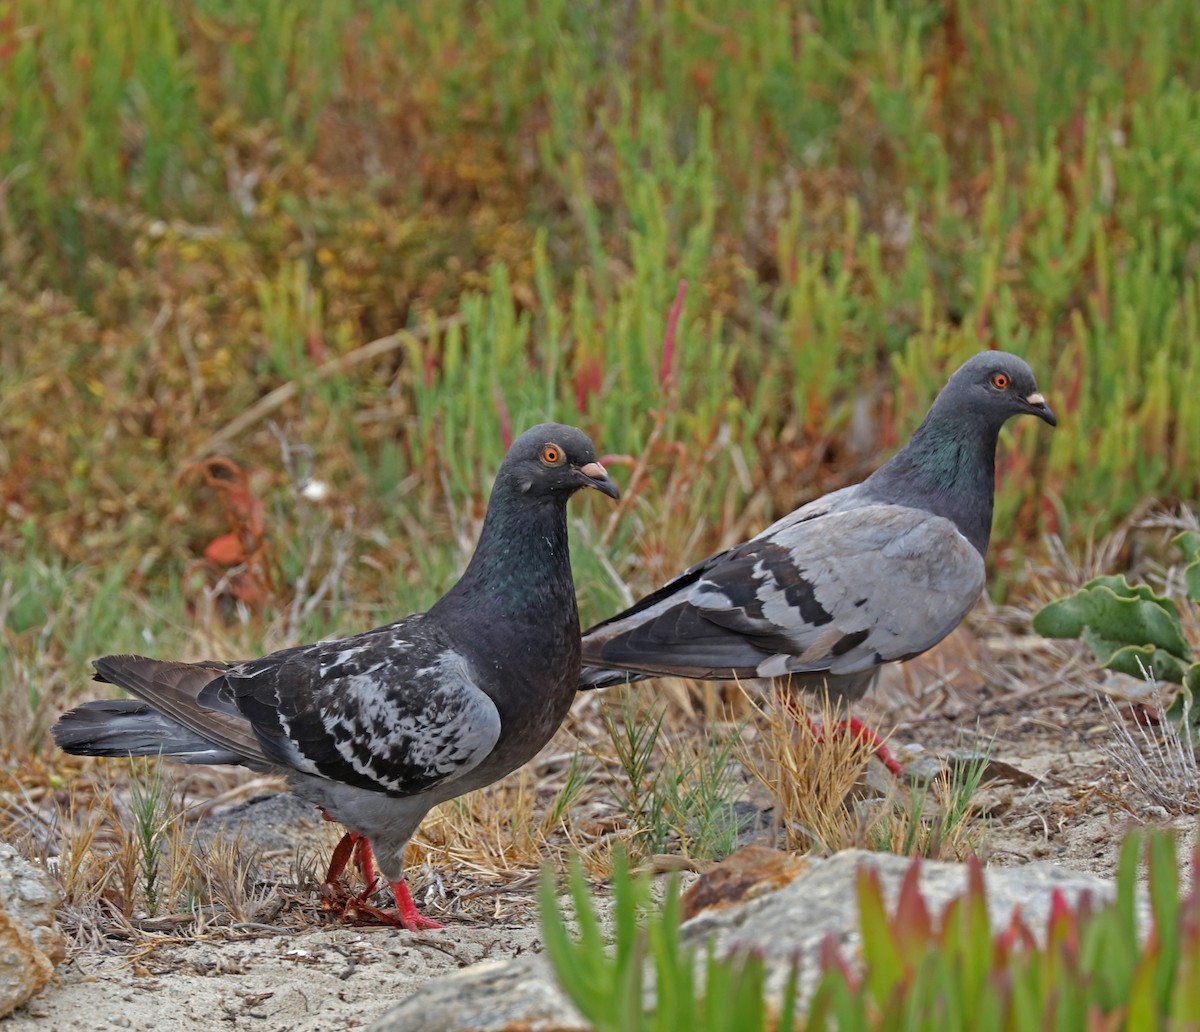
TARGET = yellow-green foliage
(203,200)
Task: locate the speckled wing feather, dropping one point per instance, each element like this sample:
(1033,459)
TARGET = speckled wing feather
(837,590)
(393,710)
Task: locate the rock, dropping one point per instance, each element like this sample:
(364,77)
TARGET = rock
(488,997)
(917,761)
(791,923)
(31,943)
(269,822)
(778,905)
(748,873)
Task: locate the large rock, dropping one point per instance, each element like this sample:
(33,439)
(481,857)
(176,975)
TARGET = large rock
(780,906)
(31,943)
(271,822)
(792,922)
(487,997)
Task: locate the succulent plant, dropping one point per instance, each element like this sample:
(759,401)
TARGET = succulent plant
(1130,628)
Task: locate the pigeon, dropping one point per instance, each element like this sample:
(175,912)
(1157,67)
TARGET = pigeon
(377,728)
(873,573)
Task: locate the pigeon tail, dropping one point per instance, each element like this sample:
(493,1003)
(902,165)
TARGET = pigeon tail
(130,727)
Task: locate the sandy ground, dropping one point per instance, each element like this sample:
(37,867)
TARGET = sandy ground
(313,981)
(1055,795)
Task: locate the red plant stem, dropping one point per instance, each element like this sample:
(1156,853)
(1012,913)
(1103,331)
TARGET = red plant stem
(668,351)
(505,419)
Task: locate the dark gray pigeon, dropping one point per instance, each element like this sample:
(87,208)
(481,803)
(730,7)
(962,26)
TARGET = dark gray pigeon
(378,728)
(874,573)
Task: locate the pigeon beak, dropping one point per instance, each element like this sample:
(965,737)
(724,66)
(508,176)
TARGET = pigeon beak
(1037,405)
(597,476)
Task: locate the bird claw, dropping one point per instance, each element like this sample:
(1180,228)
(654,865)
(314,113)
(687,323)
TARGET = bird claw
(359,912)
(356,909)
(416,922)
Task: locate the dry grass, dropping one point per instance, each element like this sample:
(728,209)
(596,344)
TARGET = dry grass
(1155,753)
(135,875)
(824,802)
(809,779)
(127,851)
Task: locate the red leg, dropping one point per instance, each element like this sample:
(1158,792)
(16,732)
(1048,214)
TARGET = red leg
(406,909)
(865,734)
(855,726)
(364,858)
(356,908)
(341,855)
(352,843)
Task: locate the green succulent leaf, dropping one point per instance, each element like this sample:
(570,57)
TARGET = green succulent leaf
(1137,660)
(1110,614)
(1189,544)
(885,967)
(1118,585)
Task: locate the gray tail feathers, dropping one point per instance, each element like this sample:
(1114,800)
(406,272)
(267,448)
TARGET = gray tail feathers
(130,727)
(598,677)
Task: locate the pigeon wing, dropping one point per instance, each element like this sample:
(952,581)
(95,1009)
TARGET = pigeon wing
(395,710)
(840,592)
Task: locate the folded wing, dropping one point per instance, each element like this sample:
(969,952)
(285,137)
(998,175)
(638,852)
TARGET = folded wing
(393,710)
(839,592)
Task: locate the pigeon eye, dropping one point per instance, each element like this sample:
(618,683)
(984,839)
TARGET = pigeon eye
(1000,381)
(552,455)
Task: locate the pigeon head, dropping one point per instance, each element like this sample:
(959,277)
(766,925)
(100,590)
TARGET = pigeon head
(991,388)
(553,460)
(949,465)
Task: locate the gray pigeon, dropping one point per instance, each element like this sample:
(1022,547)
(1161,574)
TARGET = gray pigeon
(378,728)
(873,573)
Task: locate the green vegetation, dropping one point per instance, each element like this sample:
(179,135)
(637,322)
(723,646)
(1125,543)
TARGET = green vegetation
(350,247)
(945,826)
(1090,970)
(608,986)
(151,808)
(1130,629)
(677,797)
(206,201)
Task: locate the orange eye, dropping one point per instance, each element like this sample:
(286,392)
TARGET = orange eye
(1000,381)
(552,455)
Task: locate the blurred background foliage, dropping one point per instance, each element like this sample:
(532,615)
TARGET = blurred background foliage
(205,201)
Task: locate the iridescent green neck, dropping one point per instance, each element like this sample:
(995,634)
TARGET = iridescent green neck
(522,561)
(948,468)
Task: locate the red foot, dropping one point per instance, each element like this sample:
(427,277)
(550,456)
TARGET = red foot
(406,909)
(865,734)
(357,909)
(856,727)
(364,860)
